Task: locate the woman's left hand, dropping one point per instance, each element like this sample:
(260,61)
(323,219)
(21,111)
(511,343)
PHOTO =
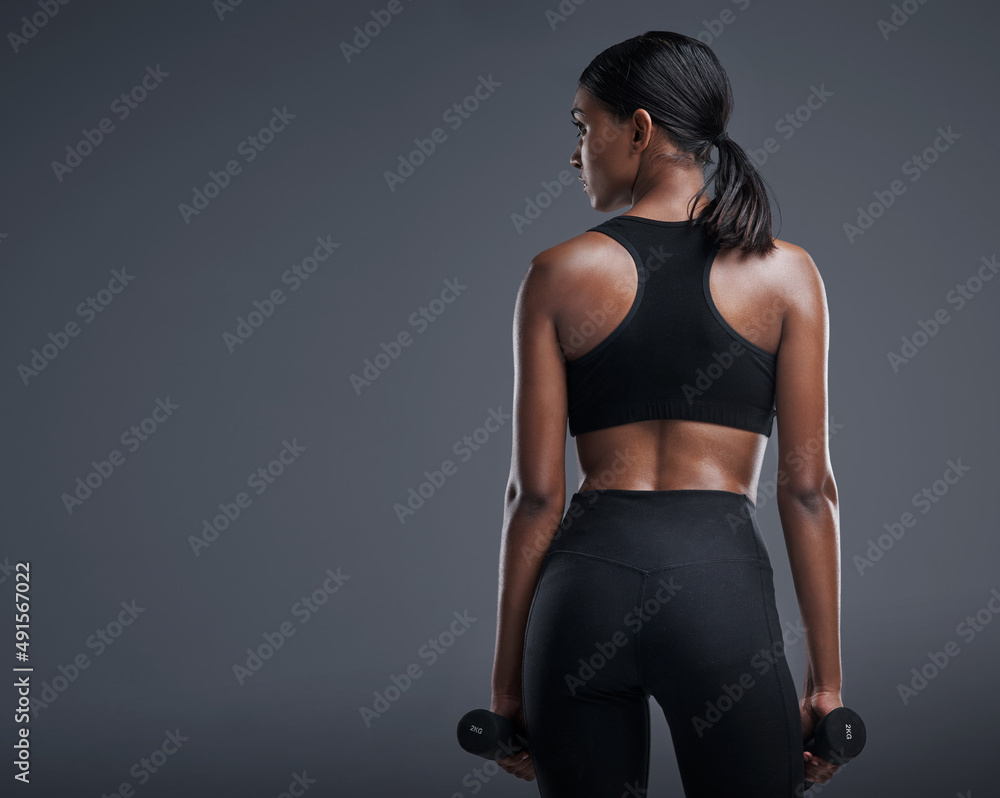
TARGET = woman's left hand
(512,708)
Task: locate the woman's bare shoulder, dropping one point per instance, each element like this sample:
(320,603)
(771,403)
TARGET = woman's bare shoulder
(557,270)
(794,269)
(576,252)
(787,271)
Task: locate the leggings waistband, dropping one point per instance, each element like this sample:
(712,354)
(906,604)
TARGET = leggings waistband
(650,529)
(678,492)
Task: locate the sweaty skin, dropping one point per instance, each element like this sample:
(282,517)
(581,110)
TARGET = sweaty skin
(777,301)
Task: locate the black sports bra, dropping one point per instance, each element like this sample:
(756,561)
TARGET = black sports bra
(673,355)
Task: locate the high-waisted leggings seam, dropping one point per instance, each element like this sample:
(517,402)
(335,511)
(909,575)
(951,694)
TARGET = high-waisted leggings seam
(647,571)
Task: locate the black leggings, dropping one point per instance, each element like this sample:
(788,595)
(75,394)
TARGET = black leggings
(666,593)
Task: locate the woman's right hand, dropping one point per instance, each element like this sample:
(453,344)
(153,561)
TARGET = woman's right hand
(813,707)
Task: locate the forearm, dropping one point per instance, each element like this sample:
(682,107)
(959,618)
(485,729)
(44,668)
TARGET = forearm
(811,527)
(527,532)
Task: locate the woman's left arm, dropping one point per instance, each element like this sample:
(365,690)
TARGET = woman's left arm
(536,487)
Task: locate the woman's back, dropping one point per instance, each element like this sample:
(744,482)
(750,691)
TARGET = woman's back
(711,380)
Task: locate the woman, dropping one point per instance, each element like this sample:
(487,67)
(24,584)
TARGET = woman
(668,337)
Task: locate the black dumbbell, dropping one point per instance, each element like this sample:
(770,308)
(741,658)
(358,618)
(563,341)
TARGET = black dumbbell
(489,735)
(838,737)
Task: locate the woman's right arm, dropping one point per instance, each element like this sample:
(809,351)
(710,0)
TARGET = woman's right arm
(806,489)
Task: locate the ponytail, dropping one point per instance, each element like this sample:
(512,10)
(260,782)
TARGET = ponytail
(679,81)
(740,214)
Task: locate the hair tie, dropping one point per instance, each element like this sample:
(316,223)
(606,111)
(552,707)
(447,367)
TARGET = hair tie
(722,135)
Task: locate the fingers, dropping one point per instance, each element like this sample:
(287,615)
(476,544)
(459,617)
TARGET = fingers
(818,770)
(519,765)
(523,770)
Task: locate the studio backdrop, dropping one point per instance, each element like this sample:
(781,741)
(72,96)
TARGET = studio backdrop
(259,263)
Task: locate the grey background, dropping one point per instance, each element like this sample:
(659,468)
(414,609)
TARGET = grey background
(172,669)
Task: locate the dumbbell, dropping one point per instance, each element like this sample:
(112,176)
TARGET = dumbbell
(489,735)
(838,737)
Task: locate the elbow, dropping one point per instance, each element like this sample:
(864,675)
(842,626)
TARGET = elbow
(536,501)
(811,495)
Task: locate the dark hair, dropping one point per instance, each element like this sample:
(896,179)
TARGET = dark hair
(680,83)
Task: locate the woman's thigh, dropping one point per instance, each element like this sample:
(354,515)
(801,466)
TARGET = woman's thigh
(586,714)
(714,660)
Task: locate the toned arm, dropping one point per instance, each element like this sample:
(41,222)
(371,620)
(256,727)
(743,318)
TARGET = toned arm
(807,491)
(536,487)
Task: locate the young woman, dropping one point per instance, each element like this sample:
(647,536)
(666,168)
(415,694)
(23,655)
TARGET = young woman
(669,338)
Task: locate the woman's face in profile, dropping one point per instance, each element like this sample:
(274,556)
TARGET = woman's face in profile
(603,154)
